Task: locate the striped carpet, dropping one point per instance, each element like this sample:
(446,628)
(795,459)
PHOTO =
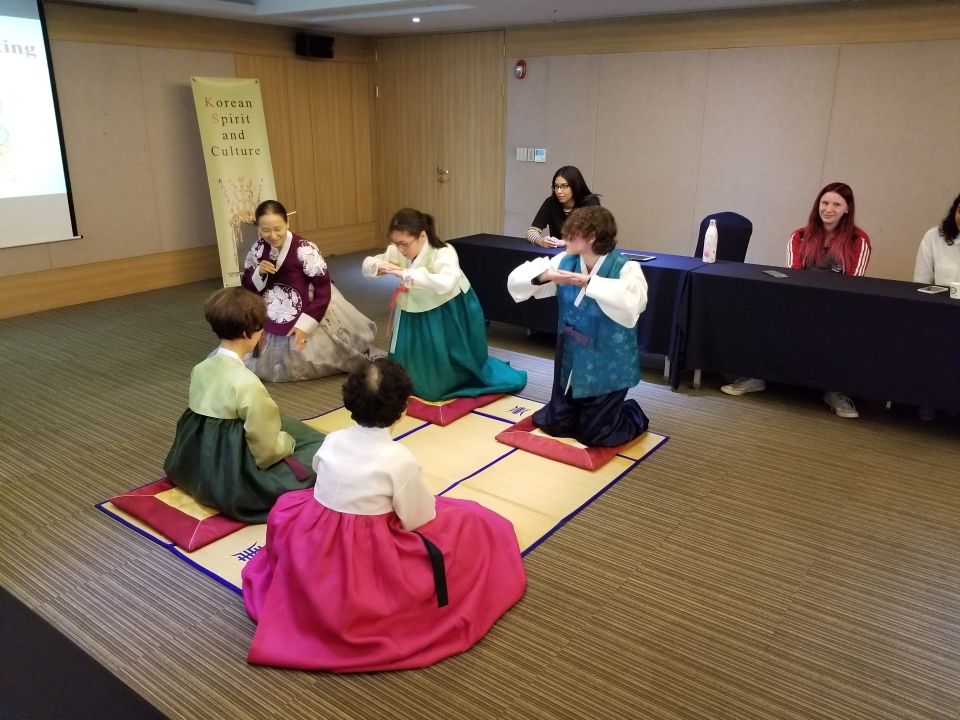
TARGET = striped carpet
(771,561)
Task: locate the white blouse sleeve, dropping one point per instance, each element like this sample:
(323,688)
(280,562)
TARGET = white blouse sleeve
(621,299)
(924,271)
(445,277)
(520,283)
(412,501)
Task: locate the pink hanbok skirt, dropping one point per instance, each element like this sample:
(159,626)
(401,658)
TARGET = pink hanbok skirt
(356,593)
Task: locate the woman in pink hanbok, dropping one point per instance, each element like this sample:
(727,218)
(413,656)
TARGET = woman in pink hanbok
(368,570)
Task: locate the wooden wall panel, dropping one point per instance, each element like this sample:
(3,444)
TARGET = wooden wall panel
(305,200)
(33,292)
(347,239)
(333,159)
(866,22)
(406,118)
(132,142)
(441,105)
(361,101)
(271,72)
(319,123)
(470,140)
(188,32)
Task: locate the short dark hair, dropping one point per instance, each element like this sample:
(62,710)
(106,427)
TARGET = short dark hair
(376,393)
(596,222)
(235,313)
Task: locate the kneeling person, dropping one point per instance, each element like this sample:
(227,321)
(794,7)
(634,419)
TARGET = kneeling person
(600,294)
(233,450)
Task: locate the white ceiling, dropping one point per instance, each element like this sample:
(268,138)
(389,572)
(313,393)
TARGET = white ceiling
(392,17)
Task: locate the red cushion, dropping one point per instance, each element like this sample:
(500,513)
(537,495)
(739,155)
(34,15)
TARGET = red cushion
(521,436)
(188,532)
(445,413)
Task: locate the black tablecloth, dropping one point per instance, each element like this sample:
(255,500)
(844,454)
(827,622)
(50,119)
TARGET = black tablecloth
(488,259)
(862,336)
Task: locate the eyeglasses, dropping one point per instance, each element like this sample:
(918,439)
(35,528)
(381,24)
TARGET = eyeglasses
(558,187)
(404,244)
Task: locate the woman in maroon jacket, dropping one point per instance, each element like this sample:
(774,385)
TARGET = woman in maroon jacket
(311,329)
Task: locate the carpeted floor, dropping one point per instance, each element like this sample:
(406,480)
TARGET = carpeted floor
(770,561)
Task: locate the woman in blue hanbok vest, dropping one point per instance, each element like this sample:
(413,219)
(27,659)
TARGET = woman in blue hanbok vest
(437,330)
(600,294)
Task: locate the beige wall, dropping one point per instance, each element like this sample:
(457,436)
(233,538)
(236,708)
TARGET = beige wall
(667,136)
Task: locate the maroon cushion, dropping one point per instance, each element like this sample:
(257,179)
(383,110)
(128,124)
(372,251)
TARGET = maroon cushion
(521,436)
(188,531)
(446,412)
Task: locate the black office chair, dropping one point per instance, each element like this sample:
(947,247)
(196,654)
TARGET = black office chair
(733,235)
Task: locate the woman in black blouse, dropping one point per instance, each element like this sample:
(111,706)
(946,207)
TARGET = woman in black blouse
(569,191)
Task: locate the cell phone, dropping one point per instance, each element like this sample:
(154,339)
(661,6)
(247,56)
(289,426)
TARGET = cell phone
(643,258)
(775,273)
(932,289)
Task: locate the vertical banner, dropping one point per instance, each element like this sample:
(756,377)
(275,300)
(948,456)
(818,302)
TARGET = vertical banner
(233,133)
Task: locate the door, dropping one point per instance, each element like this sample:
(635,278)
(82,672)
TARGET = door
(440,114)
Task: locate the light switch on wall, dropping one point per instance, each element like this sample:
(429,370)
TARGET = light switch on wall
(521,154)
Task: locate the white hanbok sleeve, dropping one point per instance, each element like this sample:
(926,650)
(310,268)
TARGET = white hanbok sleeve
(251,262)
(622,299)
(412,501)
(445,277)
(372,263)
(520,283)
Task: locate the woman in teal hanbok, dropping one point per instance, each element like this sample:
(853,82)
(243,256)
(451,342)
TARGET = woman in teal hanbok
(437,326)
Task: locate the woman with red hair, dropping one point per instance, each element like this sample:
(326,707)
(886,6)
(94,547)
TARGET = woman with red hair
(832,242)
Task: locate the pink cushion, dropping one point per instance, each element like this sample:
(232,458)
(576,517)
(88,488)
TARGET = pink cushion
(185,530)
(448,411)
(521,436)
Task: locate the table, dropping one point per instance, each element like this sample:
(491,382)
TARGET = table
(862,336)
(488,259)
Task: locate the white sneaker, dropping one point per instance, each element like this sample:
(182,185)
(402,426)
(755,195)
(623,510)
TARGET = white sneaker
(742,386)
(841,405)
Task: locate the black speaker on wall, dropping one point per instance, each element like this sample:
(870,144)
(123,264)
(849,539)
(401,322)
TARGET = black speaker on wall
(314,46)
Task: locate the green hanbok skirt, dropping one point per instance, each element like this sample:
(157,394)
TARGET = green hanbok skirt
(211,461)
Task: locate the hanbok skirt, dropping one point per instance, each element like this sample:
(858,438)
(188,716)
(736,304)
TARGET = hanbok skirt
(445,352)
(210,460)
(357,593)
(342,339)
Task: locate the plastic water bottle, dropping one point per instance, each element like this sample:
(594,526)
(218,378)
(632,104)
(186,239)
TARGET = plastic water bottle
(710,243)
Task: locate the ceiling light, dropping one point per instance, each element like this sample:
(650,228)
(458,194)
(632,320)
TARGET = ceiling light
(416,19)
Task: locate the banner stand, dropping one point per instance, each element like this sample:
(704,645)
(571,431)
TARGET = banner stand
(233,133)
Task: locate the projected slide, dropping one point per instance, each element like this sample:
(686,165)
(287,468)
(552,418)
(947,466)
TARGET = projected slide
(34,205)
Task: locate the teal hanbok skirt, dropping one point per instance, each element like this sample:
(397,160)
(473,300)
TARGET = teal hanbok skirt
(445,352)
